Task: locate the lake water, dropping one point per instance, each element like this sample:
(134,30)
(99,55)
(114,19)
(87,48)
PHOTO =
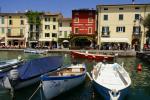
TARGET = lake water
(139,90)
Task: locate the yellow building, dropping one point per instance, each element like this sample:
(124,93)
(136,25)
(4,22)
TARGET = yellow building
(64,32)
(120,26)
(50,30)
(13,29)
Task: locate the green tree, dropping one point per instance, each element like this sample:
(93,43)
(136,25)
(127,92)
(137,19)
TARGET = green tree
(34,17)
(146,24)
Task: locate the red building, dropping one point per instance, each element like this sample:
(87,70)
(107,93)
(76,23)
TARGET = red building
(83,28)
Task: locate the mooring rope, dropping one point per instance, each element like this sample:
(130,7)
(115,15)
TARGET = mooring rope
(36,91)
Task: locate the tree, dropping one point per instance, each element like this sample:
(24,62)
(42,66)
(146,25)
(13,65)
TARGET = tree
(146,24)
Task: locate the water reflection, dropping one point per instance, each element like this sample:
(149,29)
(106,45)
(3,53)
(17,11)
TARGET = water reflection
(140,87)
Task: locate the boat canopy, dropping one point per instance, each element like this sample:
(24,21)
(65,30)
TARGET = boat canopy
(39,66)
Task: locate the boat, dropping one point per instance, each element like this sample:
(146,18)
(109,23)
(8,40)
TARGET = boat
(35,51)
(87,55)
(30,72)
(111,80)
(6,65)
(62,80)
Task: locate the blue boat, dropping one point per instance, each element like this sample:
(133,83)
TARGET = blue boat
(30,72)
(111,81)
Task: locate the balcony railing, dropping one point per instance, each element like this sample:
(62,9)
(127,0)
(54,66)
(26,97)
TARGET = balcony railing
(105,34)
(137,33)
(10,35)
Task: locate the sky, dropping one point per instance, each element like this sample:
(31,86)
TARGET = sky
(63,6)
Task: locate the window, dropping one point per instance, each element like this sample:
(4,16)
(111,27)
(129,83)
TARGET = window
(54,27)
(21,31)
(60,33)
(47,35)
(90,19)
(137,8)
(9,30)
(3,30)
(120,29)
(76,13)
(60,24)
(89,30)
(2,18)
(105,8)
(22,22)
(21,16)
(54,19)
(90,13)
(10,22)
(137,16)
(76,30)
(120,16)
(10,17)
(47,19)
(105,29)
(47,27)
(65,34)
(120,8)
(76,19)
(105,17)
(136,29)
(54,35)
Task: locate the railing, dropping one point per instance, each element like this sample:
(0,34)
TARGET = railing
(20,35)
(105,34)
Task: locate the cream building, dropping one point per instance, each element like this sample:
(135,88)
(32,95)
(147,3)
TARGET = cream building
(64,32)
(50,30)
(120,26)
(13,29)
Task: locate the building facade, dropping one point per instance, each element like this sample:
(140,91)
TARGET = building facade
(83,28)
(64,32)
(120,26)
(13,29)
(50,30)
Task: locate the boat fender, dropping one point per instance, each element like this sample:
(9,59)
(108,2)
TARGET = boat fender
(139,68)
(14,74)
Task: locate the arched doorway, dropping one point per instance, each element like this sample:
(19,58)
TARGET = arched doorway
(83,42)
(136,44)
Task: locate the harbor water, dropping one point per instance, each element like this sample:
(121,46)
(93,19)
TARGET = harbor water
(139,90)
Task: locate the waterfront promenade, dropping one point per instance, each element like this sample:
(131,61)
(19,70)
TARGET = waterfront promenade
(123,53)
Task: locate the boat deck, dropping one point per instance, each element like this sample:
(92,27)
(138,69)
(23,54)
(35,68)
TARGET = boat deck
(110,78)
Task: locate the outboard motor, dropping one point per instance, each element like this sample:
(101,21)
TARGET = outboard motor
(13,76)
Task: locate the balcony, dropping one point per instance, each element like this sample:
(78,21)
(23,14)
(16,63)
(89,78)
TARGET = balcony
(105,34)
(10,35)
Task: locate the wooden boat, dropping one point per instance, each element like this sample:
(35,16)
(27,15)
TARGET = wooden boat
(63,80)
(35,51)
(111,80)
(30,72)
(97,57)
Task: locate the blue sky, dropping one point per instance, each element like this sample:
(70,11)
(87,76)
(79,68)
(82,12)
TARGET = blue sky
(63,6)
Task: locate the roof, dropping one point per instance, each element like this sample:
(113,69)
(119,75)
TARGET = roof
(52,14)
(148,4)
(12,14)
(84,9)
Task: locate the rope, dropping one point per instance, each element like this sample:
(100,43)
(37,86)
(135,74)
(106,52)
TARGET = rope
(35,91)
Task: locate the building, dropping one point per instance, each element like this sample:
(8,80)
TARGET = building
(83,28)
(120,26)
(50,30)
(13,29)
(65,30)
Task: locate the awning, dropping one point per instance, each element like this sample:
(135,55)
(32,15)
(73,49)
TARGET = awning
(123,40)
(65,41)
(45,40)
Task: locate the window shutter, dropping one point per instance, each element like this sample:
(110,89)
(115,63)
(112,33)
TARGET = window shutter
(123,29)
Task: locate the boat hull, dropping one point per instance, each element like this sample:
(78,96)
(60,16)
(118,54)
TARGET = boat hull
(53,88)
(96,57)
(103,91)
